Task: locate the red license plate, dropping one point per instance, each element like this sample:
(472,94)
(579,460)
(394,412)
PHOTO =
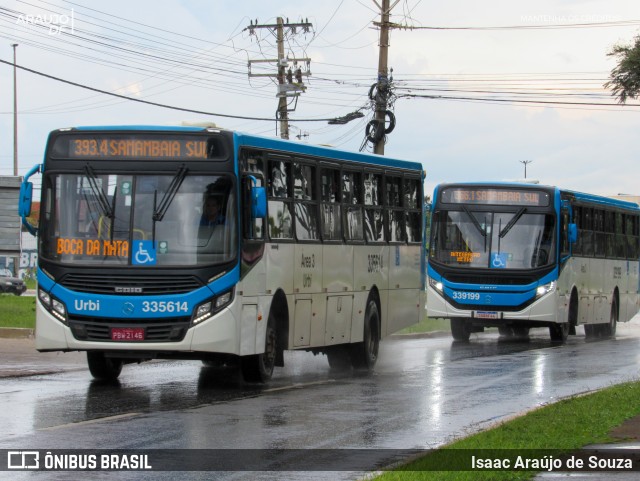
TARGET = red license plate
(127,334)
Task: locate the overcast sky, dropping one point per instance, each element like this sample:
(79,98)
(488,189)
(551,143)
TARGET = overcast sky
(194,55)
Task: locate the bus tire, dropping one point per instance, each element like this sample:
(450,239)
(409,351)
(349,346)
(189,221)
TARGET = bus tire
(559,332)
(460,331)
(104,368)
(259,367)
(365,354)
(609,330)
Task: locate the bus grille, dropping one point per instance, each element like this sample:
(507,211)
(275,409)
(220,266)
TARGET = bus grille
(490,280)
(168,330)
(130,285)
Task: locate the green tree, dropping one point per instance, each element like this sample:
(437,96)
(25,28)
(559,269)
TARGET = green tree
(625,77)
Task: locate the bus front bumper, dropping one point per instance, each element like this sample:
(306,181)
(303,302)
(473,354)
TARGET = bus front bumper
(548,308)
(215,335)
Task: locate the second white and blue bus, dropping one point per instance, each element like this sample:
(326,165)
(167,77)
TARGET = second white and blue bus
(519,256)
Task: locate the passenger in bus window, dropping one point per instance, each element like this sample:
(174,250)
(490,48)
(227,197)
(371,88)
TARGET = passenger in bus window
(211,212)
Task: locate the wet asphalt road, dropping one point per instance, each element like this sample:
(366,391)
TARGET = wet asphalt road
(424,393)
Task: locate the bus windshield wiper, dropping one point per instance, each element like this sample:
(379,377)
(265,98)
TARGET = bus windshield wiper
(474,221)
(103,202)
(512,222)
(167,198)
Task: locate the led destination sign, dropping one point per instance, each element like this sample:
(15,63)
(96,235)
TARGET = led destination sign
(490,196)
(123,147)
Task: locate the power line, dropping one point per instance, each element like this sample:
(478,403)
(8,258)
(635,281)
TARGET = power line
(516,101)
(621,23)
(156,104)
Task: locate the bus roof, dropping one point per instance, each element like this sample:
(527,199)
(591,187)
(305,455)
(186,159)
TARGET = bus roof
(251,140)
(579,196)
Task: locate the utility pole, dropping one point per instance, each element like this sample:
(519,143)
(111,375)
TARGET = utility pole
(282,101)
(15,113)
(290,83)
(383,79)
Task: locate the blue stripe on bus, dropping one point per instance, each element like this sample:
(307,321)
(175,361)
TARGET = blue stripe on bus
(140,128)
(112,306)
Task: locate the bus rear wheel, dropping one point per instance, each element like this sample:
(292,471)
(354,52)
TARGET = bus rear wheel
(259,367)
(609,330)
(460,330)
(104,368)
(365,354)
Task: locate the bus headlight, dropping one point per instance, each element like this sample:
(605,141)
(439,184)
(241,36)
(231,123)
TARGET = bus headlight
(208,309)
(53,305)
(437,285)
(202,312)
(223,299)
(546,289)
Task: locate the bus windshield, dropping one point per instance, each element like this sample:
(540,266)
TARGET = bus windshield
(495,240)
(139,220)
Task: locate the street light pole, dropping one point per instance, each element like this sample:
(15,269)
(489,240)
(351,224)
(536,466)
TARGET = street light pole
(15,113)
(525,162)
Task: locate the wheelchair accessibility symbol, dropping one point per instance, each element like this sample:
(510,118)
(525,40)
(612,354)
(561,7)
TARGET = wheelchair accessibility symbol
(499,261)
(144,253)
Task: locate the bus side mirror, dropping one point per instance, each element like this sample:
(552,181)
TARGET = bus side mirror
(573,233)
(26,197)
(258,202)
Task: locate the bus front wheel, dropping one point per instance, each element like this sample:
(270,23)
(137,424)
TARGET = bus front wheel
(559,331)
(104,368)
(259,367)
(460,330)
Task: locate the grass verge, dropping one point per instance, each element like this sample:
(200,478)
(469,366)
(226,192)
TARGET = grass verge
(567,425)
(17,311)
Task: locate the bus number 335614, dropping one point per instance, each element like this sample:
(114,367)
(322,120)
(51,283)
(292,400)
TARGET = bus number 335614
(165,306)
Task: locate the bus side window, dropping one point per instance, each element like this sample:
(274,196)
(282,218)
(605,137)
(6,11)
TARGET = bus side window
(305,205)
(373,212)
(577,220)
(279,200)
(586,232)
(330,209)
(413,206)
(564,234)
(353,221)
(253,228)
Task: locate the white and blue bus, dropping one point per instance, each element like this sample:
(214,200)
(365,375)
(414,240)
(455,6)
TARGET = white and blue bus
(518,256)
(201,243)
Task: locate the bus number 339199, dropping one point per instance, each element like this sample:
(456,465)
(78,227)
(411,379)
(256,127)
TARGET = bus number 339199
(466,296)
